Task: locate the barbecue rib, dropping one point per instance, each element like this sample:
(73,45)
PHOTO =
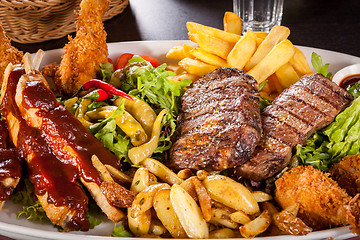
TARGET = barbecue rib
(65,204)
(10,165)
(71,142)
(306,106)
(219,122)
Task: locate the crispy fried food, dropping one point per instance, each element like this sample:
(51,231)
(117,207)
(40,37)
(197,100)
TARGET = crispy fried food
(8,53)
(347,174)
(323,203)
(86,51)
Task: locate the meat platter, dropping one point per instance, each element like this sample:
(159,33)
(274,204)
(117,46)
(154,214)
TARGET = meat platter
(19,228)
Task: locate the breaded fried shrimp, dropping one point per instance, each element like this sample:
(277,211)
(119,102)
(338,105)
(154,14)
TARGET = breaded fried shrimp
(86,51)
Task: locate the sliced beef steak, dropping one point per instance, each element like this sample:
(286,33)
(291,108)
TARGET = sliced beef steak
(306,106)
(219,124)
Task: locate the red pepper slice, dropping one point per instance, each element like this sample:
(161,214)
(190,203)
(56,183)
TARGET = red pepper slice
(96,83)
(98,95)
(124,59)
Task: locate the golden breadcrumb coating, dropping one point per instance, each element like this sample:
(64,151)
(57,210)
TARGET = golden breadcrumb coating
(86,51)
(323,203)
(8,53)
(347,174)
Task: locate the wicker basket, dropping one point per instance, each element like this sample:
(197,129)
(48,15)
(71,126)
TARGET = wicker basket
(31,21)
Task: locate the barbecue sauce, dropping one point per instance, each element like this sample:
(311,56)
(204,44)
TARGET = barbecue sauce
(59,123)
(48,175)
(349,81)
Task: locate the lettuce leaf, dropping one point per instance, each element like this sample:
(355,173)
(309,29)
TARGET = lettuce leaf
(335,141)
(318,65)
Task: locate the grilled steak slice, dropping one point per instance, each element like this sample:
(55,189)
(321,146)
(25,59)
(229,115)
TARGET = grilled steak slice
(306,106)
(219,124)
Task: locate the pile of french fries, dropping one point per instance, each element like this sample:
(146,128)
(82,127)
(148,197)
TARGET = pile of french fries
(265,56)
(185,205)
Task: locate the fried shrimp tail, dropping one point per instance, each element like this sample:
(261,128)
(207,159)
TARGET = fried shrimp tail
(84,54)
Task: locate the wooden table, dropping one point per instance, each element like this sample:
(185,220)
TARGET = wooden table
(327,24)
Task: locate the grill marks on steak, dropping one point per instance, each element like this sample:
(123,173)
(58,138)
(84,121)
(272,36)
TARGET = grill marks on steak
(306,106)
(219,122)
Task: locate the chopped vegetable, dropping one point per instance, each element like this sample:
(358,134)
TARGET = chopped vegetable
(354,90)
(335,141)
(98,95)
(123,60)
(317,63)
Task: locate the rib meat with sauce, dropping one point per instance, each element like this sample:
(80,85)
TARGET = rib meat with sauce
(219,123)
(71,143)
(306,106)
(55,185)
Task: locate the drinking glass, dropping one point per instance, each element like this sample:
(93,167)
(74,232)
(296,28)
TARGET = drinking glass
(259,15)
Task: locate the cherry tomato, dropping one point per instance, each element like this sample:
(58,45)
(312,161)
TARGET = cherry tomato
(124,59)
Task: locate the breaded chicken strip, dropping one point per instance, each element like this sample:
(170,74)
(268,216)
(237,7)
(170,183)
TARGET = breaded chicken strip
(323,203)
(8,53)
(86,51)
(347,174)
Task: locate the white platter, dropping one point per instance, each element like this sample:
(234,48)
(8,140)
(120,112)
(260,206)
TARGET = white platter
(22,229)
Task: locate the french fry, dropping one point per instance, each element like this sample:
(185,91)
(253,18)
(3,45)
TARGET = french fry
(286,75)
(256,226)
(141,180)
(187,50)
(161,171)
(176,52)
(144,200)
(232,23)
(300,64)
(141,224)
(207,57)
(231,193)
(204,198)
(275,82)
(240,217)
(222,233)
(166,214)
(242,51)
(122,177)
(221,217)
(277,57)
(212,44)
(261,196)
(214,32)
(275,36)
(188,212)
(196,67)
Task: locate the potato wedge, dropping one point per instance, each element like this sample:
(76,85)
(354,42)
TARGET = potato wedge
(214,32)
(145,199)
(286,75)
(261,196)
(275,36)
(166,214)
(232,23)
(204,198)
(256,226)
(221,217)
(212,44)
(185,173)
(277,57)
(141,224)
(161,171)
(240,217)
(300,64)
(242,51)
(189,187)
(141,180)
(196,67)
(231,193)
(157,228)
(188,212)
(222,233)
(207,57)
